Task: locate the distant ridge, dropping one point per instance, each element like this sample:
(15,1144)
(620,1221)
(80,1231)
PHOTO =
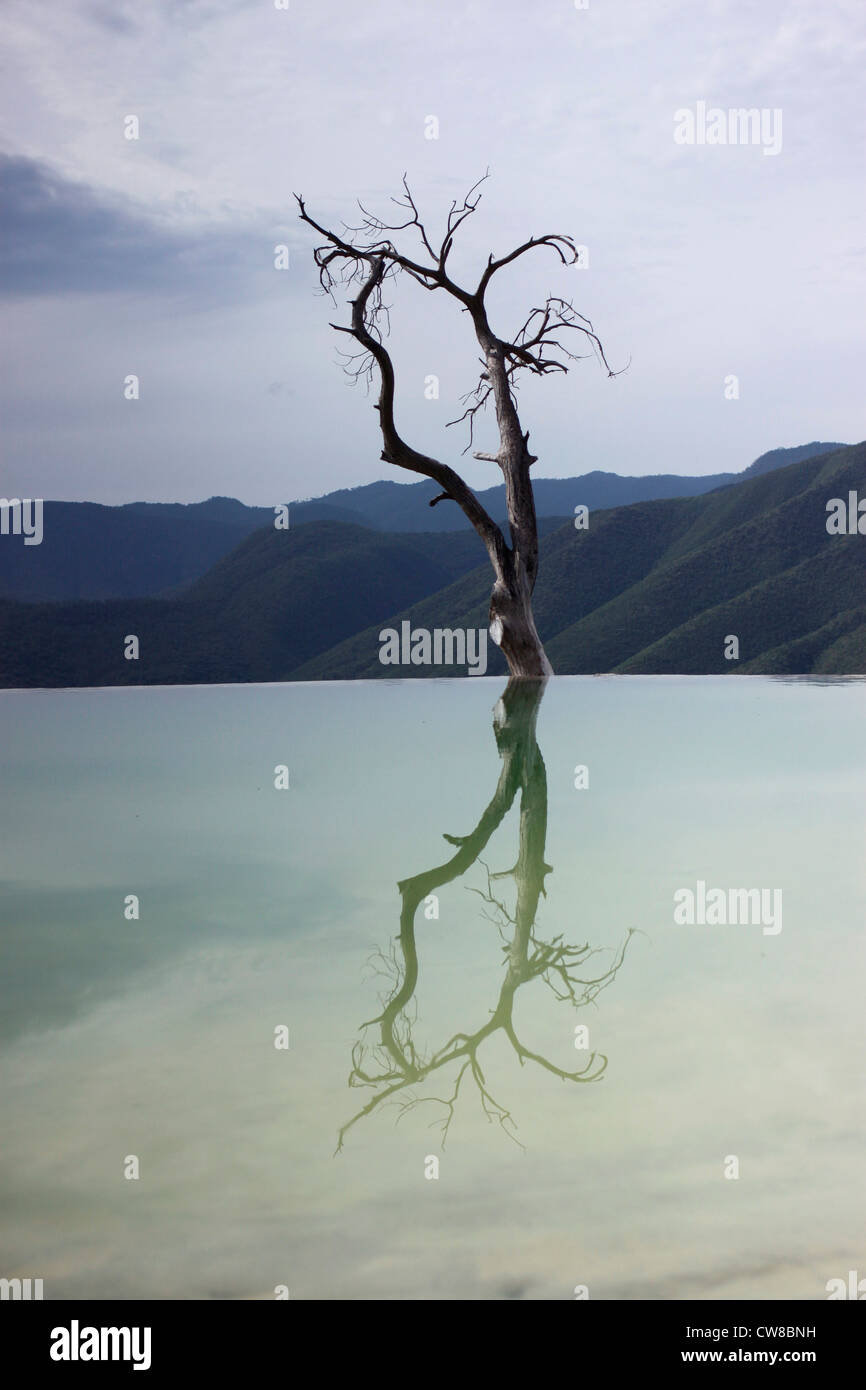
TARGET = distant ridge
(144,549)
(780,458)
(650,588)
(393,506)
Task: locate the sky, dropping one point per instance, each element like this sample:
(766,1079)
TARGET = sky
(155,256)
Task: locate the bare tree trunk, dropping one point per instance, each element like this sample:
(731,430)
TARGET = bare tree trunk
(512,625)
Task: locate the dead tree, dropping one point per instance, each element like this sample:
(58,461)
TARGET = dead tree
(367,256)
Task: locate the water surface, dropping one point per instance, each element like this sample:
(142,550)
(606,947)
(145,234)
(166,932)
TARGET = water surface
(314,909)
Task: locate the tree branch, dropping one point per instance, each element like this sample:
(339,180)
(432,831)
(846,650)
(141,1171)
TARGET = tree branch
(366,256)
(397,451)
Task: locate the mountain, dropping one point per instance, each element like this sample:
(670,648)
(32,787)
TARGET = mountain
(278,599)
(780,458)
(145,549)
(90,551)
(657,587)
(654,587)
(391,506)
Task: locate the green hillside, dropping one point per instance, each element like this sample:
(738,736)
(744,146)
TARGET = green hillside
(150,549)
(755,561)
(656,587)
(276,600)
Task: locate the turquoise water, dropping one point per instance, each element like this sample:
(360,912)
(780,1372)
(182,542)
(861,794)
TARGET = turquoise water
(263,909)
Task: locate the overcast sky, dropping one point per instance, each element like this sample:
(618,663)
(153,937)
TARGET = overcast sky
(156,256)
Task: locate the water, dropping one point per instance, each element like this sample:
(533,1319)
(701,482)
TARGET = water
(263,909)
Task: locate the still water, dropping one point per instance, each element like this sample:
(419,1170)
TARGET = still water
(460,915)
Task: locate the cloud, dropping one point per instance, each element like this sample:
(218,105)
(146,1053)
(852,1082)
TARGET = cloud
(58,237)
(110,17)
(702,261)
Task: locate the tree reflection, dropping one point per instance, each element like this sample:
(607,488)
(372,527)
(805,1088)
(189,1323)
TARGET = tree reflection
(388,1061)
